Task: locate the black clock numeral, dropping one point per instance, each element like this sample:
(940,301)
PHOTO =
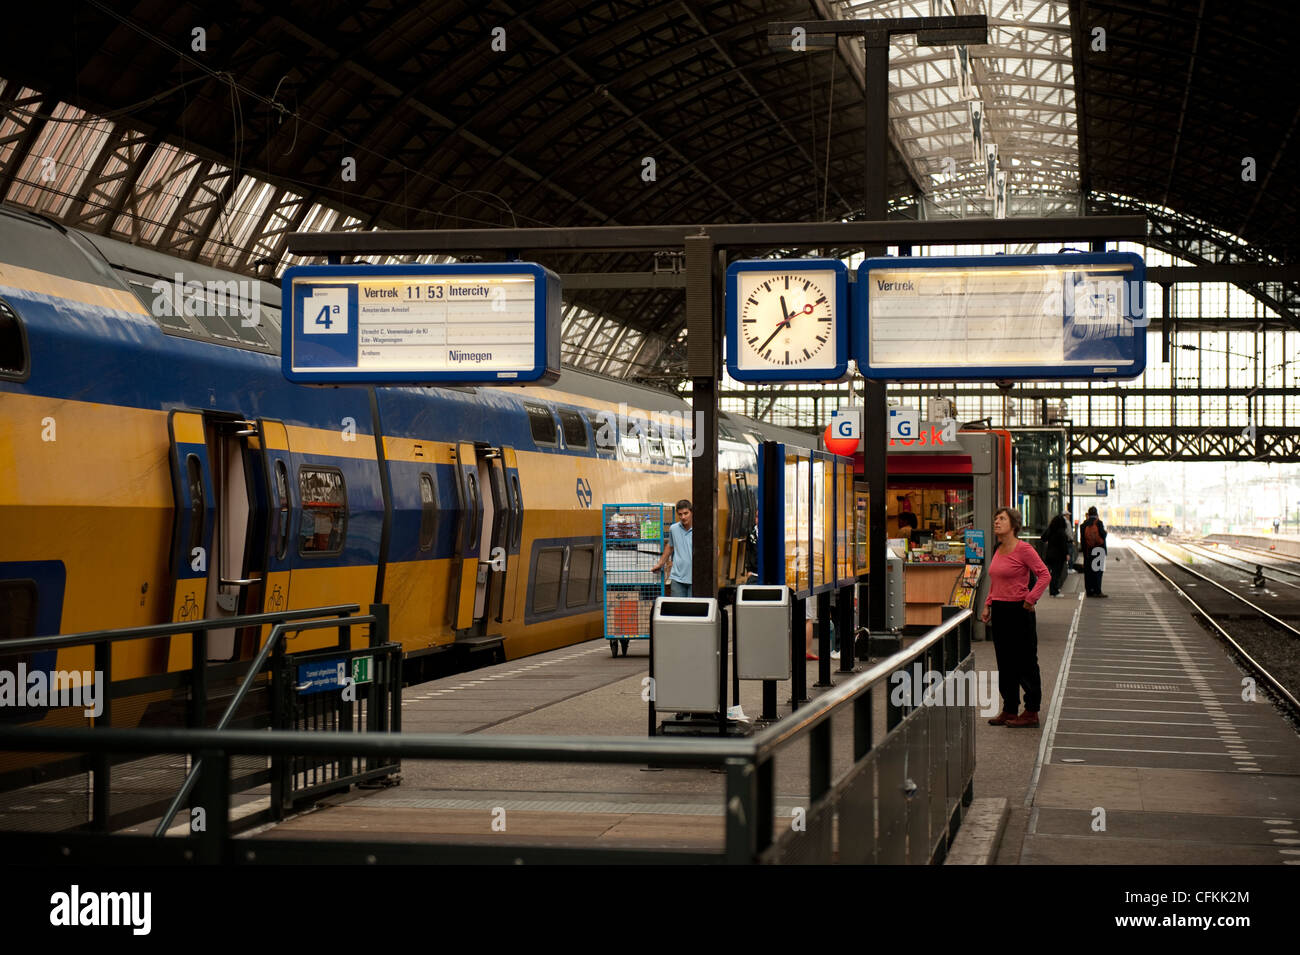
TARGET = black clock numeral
(768,355)
(748,321)
(752,300)
(806,285)
(805,354)
(826,319)
(754,340)
(821,338)
(820,300)
(787,358)
(787,281)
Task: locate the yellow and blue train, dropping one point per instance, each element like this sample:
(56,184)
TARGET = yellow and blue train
(156,466)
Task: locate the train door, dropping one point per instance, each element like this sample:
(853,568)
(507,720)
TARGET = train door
(511,539)
(467,539)
(279,524)
(490,519)
(192,533)
(238,494)
(503,512)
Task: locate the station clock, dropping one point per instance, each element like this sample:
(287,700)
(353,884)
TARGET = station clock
(787,320)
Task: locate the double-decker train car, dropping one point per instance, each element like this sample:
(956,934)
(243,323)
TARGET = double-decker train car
(156,466)
(1139,519)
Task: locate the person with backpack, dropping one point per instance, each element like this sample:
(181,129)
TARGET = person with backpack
(1093,533)
(1056,550)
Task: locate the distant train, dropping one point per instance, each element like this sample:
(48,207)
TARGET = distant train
(155,466)
(1140,518)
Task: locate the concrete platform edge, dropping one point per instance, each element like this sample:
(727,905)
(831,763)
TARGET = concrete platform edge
(980,834)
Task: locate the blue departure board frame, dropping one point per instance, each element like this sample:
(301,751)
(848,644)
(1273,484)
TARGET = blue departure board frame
(325,346)
(1099,310)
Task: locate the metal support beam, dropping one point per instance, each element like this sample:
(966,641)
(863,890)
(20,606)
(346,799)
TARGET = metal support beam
(786,235)
(703,360)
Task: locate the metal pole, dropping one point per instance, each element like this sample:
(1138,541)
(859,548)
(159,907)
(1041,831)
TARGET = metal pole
(824,639)
(798,663)
(703,360)
(875,407)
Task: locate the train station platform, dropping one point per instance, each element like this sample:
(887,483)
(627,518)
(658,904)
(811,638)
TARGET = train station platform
(1142,720)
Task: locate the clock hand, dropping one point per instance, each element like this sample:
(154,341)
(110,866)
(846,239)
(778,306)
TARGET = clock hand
(763,347)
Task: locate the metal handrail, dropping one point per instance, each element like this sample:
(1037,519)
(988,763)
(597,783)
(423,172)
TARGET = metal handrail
(170,629)
(818,709)
(747,761)
(596,749)
(272,643)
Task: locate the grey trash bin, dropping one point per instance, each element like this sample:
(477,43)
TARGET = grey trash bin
(763,632)
(687,660)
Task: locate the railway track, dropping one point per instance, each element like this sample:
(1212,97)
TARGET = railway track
(1289,579)
(1264,644)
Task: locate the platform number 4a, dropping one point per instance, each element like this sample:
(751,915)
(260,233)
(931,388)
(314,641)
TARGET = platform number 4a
(325,311)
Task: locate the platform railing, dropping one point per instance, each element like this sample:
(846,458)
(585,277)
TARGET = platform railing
(900,801)
(197,682)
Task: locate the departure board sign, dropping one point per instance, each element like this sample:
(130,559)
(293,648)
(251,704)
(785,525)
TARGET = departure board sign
(995,317)
(496,323)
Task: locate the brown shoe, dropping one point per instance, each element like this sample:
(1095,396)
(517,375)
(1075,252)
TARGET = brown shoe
(1002,719)
(1026,720)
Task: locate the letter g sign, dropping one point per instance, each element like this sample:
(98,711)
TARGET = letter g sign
(847,423)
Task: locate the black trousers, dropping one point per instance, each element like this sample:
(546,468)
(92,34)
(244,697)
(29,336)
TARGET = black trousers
(1056,565)
(1092,578)
(1015,642)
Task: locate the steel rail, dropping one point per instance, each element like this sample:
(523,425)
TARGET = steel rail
(1285,696)
(1231,593)
(1209,554)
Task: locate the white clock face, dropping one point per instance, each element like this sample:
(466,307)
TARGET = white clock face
(786,319)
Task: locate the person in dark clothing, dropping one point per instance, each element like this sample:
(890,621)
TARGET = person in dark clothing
(1093,532)
(1056,551)
(907,525)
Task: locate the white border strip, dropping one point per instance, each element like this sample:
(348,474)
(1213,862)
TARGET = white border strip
(1054,712)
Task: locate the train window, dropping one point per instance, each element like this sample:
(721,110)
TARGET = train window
(194,475)
(676,448)
(602,430)
(17,609)
(13,344)
(324,499)
(656,447)
(428,511)
(575,432)
(581,560)
(546,581)
(631,445)
(474,513)
(159,300)
(517,504)
(542,423)
(282,496)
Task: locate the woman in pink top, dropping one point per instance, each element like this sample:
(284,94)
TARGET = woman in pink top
(1010,609)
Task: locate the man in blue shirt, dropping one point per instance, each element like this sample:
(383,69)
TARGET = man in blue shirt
(677,552)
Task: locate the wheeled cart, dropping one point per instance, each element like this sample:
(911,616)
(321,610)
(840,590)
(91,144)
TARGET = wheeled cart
(633,542)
